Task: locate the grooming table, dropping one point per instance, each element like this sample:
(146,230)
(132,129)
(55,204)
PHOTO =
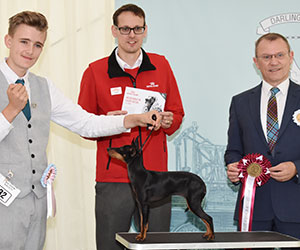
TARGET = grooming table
(223,240)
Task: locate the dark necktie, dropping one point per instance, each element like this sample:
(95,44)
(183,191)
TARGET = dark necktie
(26,109)
(272,119)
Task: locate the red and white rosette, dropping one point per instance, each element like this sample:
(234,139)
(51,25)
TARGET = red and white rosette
(254,171)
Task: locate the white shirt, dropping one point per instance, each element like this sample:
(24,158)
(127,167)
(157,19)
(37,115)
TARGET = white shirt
(280,98)
(65,113)
(125,65)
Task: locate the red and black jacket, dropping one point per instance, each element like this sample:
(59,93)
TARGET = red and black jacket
(96,96)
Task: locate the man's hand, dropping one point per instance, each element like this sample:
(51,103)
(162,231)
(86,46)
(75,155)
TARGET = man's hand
(17,96)
(233,172)
(167,119)
(143,120)
(283,171)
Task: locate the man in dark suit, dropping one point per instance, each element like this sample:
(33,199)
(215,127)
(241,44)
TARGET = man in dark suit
(277,203)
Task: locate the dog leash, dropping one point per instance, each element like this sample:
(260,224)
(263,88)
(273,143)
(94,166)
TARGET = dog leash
(141,149)
(153,118)
(142,145)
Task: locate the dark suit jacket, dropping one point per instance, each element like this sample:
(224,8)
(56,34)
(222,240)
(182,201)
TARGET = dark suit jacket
(245,135)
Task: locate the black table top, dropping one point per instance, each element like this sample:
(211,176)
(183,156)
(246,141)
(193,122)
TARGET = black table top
(223,240)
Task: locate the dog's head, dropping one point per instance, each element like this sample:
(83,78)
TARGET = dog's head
(125,153)
(150,100)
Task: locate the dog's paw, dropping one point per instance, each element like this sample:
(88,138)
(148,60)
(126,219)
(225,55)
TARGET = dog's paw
(209,236)
(140,237)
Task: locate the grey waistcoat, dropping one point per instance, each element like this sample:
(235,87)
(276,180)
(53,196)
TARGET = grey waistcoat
(23,150)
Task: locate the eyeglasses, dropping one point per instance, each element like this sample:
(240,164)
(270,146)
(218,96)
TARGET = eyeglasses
(138,30)
(278,56)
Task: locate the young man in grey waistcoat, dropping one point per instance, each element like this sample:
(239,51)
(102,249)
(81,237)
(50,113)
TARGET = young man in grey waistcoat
(28,103)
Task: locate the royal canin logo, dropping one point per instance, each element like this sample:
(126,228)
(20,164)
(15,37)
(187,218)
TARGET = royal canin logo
(152,85)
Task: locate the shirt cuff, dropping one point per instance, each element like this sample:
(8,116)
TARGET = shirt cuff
(5,127)
(128,130)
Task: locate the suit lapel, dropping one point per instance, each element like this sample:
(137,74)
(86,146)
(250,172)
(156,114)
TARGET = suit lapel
(254,103)
(292,101)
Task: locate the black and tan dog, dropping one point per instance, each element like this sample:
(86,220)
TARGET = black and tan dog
(151,186)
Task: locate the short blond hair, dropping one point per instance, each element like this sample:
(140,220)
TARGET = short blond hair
(30,18)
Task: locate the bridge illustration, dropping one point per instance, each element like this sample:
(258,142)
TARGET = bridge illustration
(195,153)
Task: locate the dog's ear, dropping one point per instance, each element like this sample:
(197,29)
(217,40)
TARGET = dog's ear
(133,151)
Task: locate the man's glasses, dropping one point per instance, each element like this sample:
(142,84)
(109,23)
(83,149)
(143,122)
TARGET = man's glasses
(138,30)
(278,56)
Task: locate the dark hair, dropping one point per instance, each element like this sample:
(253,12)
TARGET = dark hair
(131,8)
(271,37)
(30,18)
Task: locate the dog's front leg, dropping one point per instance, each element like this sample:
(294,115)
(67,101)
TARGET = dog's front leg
(144,214)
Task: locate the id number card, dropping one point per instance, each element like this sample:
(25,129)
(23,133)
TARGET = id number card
(8,192)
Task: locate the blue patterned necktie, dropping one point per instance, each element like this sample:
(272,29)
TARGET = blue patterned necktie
(272,119)
(26,109)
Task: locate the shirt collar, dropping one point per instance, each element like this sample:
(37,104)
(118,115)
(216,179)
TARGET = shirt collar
(9,74)
(283,87)
(125,65)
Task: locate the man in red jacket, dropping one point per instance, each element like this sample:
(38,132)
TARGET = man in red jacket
(102,90)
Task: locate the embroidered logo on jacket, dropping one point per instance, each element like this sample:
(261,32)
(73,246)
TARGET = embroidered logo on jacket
(152,85)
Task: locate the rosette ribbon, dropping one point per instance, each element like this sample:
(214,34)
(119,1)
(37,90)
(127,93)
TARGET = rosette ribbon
(254,171)
(46,181)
